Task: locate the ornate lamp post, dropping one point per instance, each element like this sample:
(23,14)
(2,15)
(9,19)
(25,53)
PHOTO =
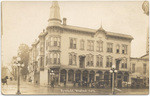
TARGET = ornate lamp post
(52,75)
(113,71)
(18,64)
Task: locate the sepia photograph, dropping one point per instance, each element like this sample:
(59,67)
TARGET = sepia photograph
(75,47)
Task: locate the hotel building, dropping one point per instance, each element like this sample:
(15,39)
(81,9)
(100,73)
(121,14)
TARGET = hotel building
(77,54)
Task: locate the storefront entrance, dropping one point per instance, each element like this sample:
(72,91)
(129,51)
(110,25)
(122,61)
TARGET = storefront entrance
(119,79)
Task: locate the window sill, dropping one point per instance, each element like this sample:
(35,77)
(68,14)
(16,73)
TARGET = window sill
(82,49)
(109,52)
(72,64)
(90,50)
(72,48)
(99,51)
(89,66)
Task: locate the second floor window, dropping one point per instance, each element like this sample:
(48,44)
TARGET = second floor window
(117,48)
(73,43)
(144,68)
(72,58)
(133,68)
(109,61)
(82,45)
(110,47)
(90,60)
(53,58)
(100,46)
(90,46)
(124,49)
(124,63)
(99,61)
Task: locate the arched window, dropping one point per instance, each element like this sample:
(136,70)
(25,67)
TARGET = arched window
(90,45)
(124,49)
(72,58)
(58,42)
(90,60)
(117,48)
(82,45)
(110,47)
(58,56)
(100,46)
(99,61)
(55,58)
(51,58)
(124,63)
(109,61)
(73,42)
(51,41)
(55,41)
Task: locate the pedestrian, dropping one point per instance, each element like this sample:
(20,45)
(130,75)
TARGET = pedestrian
(65,82)
(52,83)
(74,83)
(10,78)
(79,83)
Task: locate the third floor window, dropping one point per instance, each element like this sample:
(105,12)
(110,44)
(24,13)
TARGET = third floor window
(82,45)
(117,48)
(124,49)
(90,45)
(73,43)
(53,41)
(99,46)
(110,47)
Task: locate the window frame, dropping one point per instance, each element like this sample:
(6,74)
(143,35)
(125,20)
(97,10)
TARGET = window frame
(109,47)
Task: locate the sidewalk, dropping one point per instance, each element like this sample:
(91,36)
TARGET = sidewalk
(30,88)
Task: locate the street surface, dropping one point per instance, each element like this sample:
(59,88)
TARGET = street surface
(29,88)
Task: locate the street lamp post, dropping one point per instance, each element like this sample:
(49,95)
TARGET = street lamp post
(18,64)
(113,71)
(52,74)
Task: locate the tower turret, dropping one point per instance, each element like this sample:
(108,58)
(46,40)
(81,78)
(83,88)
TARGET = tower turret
(54,19)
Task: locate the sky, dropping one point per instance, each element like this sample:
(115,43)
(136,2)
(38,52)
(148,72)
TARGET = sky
(24,21)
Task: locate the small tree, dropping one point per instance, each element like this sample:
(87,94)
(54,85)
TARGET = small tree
(24,55)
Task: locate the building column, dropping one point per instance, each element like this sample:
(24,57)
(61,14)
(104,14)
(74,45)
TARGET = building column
(110,79)
(81,76)
(74,75)
(88,75)
(95,76)
(66,76)
(59,77)
(116,81)
(122,78)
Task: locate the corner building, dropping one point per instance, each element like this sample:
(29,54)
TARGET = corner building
(77,54)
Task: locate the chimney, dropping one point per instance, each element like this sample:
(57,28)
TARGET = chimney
(64,21)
